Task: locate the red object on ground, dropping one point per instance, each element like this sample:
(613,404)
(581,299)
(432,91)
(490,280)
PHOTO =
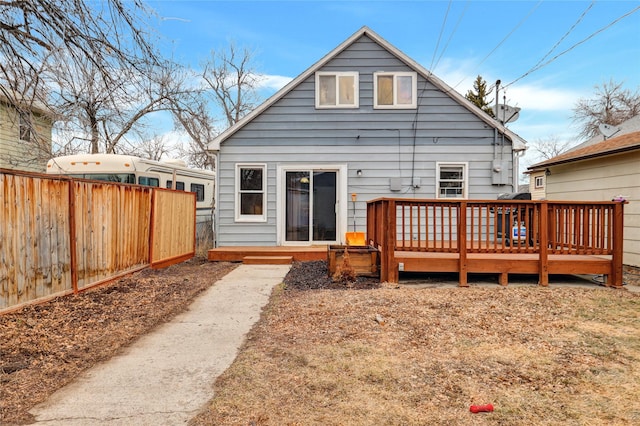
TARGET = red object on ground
(481,408)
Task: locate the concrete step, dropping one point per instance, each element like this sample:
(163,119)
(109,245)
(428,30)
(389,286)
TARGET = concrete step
(267,260)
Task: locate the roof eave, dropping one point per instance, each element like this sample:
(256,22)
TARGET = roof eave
(548,163)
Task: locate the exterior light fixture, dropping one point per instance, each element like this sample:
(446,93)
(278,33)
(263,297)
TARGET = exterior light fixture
(359,172)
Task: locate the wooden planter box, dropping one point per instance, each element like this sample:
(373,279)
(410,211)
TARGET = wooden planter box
(365,260)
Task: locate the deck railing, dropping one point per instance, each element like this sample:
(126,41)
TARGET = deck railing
(495,226)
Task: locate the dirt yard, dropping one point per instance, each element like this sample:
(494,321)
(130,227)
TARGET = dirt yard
(367,354)
(44,347)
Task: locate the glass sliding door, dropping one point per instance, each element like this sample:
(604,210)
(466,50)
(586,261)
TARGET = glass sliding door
(311,197)
(298,203)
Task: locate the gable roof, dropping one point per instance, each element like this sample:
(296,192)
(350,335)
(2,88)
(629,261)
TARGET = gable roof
(624,143)
(519,144)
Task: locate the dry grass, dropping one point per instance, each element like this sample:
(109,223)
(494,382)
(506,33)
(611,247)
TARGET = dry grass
(540,356)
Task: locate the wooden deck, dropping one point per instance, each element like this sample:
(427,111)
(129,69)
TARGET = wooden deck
(476,237)
(564,238)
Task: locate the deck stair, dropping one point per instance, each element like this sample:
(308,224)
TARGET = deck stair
(257,255)
(267,260)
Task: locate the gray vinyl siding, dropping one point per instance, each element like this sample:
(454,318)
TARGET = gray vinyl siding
(379,142)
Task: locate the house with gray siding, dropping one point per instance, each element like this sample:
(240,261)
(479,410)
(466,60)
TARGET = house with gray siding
(364,122)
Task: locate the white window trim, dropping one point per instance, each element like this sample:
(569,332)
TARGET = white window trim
(535,183)
(465,177)
(356,89)
(253,217)
(395,74)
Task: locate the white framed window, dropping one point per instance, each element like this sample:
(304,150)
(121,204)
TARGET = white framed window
(539,182)
(251,192)
(337,89)
(451,180)
(397,90)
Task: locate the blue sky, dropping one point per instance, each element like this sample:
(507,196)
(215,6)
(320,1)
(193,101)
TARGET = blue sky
(456,40)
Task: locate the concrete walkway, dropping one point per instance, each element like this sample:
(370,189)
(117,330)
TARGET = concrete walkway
(166,377)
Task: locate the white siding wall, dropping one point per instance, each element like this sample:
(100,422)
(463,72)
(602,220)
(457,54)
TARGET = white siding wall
(384,144)
(601,180)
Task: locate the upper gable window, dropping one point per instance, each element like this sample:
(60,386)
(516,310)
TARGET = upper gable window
(337,90)
(395,90)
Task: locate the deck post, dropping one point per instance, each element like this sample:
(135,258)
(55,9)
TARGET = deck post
(385,216)
(462,244)
(618,240)
(543,248)
(390,239)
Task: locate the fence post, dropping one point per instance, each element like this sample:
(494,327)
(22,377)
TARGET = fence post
(462,243)
(543,273)
(73,260)
(618,241)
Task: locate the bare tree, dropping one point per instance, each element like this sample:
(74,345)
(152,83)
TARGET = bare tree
(612,104)
(231,77)
(154,148)
(110,31)
(550,147)
(195,120)
(230,84)
(96,38)
(111,117)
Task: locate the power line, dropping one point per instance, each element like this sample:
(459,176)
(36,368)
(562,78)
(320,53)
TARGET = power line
(533,9)
(455,29)
(541,65)
(444,22)
(584,13)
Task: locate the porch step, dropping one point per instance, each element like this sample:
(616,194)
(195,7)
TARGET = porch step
(267,260)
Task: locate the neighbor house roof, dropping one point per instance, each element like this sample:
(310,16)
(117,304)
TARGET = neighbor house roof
(32,105)
(624,143)
(519,144)
(629,126)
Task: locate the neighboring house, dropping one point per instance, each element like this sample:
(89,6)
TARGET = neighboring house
(537,184)
(364,122)
(25,137)
(538,175)
(600,172)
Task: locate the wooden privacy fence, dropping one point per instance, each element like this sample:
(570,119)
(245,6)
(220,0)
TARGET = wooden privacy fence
(60,235)
(497,236)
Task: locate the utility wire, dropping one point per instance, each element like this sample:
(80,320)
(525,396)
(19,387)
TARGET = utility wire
(444,22)
(541,65)
(504,39)
(584,13)
(455,29)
